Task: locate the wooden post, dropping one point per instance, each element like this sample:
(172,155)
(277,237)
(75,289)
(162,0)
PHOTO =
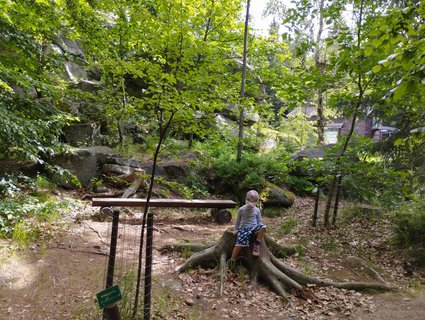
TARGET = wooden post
(338,193)
(316,206)
(147,217)
(148,268)
(113,248)
(112,313)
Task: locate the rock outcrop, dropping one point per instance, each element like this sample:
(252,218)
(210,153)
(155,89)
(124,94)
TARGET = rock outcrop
(274,196)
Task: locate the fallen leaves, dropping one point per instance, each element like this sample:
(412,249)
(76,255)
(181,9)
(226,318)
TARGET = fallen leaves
(326,255)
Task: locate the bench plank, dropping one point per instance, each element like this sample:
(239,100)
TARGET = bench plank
(163,203)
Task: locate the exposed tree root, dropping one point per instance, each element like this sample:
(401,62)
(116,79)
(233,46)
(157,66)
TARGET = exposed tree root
(278,250)
(280,277)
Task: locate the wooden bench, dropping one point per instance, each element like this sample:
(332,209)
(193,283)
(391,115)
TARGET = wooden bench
(219,213)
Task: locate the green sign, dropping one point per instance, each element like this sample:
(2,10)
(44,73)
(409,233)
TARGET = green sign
(108,296)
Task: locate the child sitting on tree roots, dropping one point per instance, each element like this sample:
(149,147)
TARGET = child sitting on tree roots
(248,222)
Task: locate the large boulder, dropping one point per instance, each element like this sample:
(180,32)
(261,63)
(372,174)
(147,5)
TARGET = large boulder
(82,134)
(84,163)
(314,153)
(232,112)
(274,196)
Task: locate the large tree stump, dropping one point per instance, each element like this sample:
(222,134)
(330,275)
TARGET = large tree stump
(280,277)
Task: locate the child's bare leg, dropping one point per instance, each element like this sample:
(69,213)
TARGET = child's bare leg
(261,234)
(235,252)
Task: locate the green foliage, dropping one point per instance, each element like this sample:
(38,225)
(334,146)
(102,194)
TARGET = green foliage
(357,212)
(409,221)
(405,151)
(368,178)
(373,183)
(24,234)
(135,150)
(299,132)
(31,86)
(227,176)
(187,251)
(8,187)
(42,182)
(301,186)
(126,283)
(418,256)
(29,129)
(58,175)
(10,214)
(95,183)
(183,190)
(38,206)
(159,60)
(402,37)
(331,243)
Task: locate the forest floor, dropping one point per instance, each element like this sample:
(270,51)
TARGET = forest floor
(58,277)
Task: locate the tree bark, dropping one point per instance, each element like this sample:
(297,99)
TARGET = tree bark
(242,110)
(280,277)
(321,66)
(361,90)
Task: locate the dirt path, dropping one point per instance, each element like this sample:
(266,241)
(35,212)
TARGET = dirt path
(54,281)
(58,280)
(395,307)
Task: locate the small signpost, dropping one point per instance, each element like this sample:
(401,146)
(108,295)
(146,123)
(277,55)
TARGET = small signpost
(108,297)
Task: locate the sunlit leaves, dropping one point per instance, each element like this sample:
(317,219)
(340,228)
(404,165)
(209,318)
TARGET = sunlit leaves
(31,79)
(400,32)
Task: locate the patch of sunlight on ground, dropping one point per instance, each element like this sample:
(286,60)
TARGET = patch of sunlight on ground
(16,272)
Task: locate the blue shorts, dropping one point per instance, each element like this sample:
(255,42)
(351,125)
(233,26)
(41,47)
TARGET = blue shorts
(244,235)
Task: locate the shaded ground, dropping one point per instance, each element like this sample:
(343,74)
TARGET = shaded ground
(58,280)
(395,307)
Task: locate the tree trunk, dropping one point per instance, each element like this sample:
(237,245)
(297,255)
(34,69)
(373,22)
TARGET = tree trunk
(337,196)
(320,64)
(316,207)
(267,267)
(242,109)
(361,90)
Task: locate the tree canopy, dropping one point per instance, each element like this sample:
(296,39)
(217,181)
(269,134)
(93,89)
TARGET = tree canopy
(143,63)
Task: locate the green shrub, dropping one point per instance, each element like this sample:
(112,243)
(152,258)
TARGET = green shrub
(225,175)
(373,183)
(42,182)
(187,192)
(10,214)
(60,176)
(8,187)
(13,211)
(301,186)
(418,256)
(25,233)
(410,224)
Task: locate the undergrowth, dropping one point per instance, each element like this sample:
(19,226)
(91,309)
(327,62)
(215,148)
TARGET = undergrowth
(409,230)
(27,204)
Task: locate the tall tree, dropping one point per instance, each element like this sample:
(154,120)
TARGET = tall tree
(310,24)
(356,59)
(399,30)
(177,58)
(243,81)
